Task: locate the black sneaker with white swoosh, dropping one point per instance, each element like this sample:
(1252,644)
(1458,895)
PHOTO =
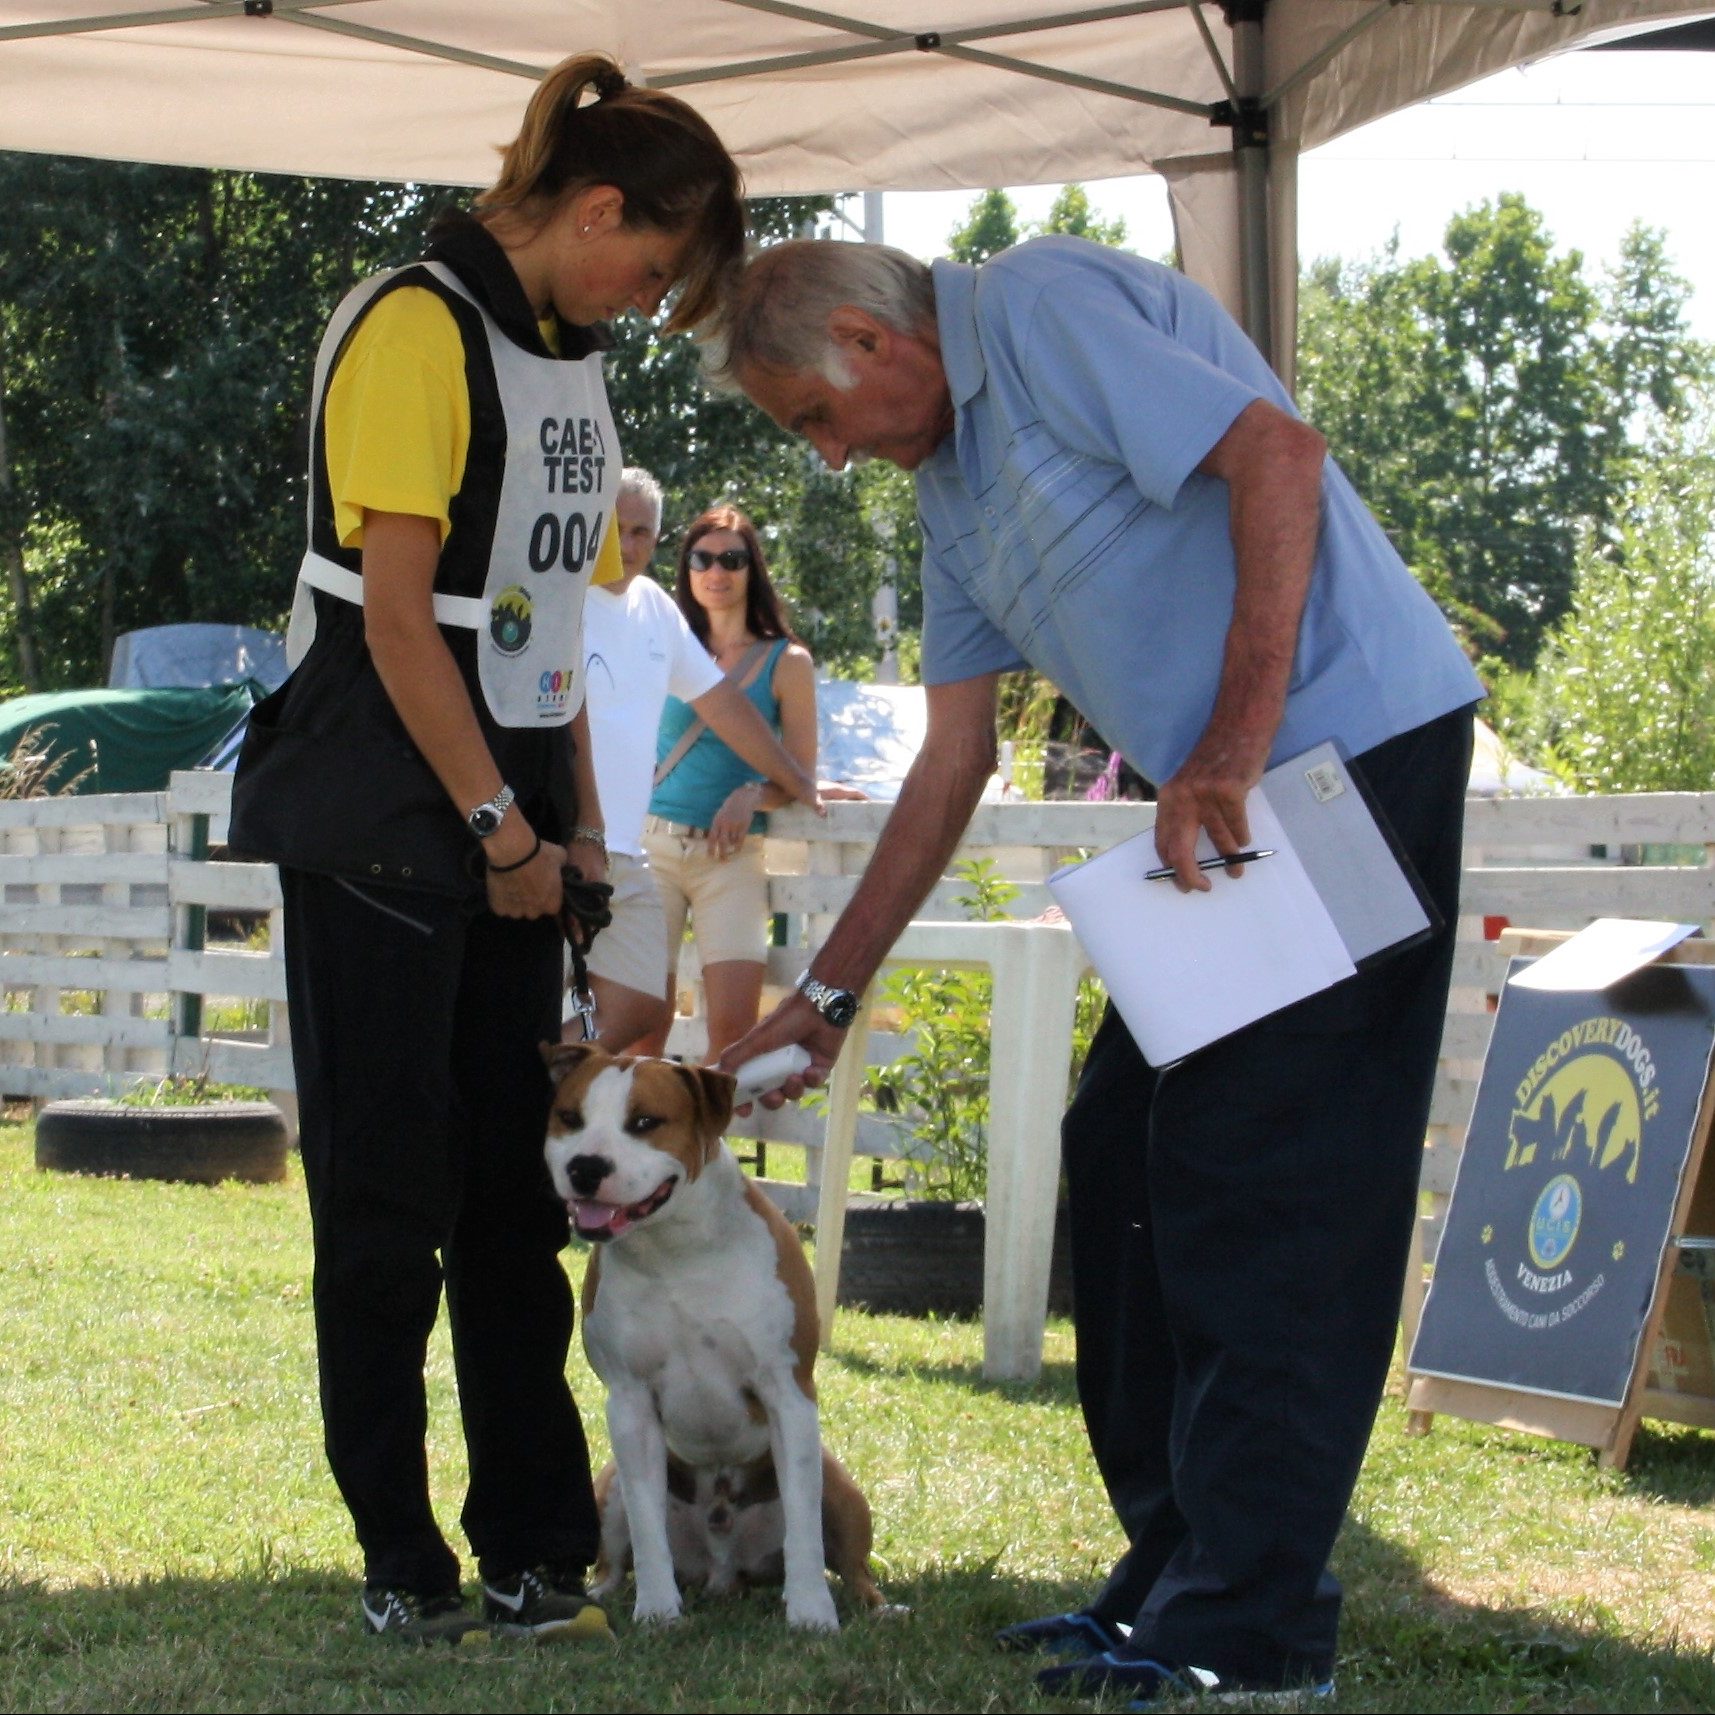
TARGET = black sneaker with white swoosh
(544,1602)
(394,1613)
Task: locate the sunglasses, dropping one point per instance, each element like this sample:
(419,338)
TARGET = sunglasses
(729,559)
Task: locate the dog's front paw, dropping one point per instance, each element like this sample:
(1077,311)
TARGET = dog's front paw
(813,1611)
(607,1586)
(657,1612)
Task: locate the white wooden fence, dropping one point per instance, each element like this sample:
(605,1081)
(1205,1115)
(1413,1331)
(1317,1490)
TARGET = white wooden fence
(108,974)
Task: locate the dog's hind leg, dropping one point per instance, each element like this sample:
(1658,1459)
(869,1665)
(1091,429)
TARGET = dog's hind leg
(847,1533)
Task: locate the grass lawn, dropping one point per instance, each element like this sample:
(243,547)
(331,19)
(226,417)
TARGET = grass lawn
(169,1537)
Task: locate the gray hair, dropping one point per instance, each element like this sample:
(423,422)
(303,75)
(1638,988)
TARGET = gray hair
(641,485)
(777,308)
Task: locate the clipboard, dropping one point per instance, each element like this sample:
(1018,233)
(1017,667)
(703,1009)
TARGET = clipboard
(1186,969)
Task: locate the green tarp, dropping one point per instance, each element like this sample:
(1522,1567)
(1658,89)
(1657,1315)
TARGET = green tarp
(123,741)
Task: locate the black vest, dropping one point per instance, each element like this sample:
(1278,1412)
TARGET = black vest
(328,779)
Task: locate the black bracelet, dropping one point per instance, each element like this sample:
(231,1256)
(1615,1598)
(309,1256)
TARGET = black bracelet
(508,868)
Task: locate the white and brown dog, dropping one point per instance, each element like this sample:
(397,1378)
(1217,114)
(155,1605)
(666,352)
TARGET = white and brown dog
(699,1315)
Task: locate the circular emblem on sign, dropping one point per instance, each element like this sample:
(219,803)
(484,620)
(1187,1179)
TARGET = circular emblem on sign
(509,620)
(1554,1221)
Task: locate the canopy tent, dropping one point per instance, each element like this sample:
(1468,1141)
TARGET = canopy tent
(857,94)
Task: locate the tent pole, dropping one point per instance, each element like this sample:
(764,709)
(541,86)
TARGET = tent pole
(1250,147)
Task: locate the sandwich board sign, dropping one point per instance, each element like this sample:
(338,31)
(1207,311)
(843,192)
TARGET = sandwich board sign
(1583,1214)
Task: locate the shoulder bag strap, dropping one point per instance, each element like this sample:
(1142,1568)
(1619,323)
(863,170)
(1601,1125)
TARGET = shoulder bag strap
(744,675)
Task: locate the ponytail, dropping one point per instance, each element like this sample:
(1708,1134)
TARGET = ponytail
(587,125)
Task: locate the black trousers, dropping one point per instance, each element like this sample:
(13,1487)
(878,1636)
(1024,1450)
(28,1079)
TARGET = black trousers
(423,1106)
(1239,1227)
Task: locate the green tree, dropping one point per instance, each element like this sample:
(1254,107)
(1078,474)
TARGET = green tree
(991,226)
(1624,699)
(1486,402)
(1071,214)
(157,329)
(1647,354)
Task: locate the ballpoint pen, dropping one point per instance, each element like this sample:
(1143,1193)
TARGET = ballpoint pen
(1225,862)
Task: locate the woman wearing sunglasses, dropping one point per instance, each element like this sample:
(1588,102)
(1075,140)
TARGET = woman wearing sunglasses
(705,826)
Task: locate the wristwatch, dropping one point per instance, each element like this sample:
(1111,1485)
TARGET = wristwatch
(485,819)
(838,1006)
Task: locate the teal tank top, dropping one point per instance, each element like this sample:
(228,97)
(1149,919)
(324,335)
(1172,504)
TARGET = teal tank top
(706,774)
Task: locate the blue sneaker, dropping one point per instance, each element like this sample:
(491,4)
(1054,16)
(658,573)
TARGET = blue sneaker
(1062,1634)
(1147,1680)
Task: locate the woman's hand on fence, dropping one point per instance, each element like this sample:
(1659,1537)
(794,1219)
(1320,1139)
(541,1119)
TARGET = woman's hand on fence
(731,821)
(533,891)
(794,1020)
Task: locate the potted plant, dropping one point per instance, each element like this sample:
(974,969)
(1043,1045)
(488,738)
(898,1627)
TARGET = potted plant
(922,1253)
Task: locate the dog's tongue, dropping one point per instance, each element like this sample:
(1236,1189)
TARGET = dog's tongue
(599,1218)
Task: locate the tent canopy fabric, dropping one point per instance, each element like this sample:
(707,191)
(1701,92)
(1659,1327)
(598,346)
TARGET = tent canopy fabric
(897,94)
(122,741)
(849,95)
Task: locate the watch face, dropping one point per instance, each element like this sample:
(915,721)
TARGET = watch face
(484,821)
(840,1008)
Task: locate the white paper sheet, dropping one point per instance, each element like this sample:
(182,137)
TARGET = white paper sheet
(1185,969)
(1598,957)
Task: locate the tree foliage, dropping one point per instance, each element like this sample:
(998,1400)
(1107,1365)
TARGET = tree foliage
(1487,401)
(157,328)
(990,227)
(1624,698)
(1071,214)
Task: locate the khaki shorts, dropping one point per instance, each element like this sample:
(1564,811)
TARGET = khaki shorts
(726,898)
(632,949)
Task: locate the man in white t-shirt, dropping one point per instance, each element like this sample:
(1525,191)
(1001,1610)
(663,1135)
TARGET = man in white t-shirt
(639,650)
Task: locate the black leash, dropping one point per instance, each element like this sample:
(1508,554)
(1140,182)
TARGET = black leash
(585,911)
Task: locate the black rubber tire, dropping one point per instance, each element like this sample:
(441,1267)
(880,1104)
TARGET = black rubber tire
(909,1258)
(200,1145)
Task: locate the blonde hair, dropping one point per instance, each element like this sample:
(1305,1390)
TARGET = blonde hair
(659,153)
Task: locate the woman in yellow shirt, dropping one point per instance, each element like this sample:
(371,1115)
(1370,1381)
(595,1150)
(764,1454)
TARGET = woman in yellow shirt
(420,779)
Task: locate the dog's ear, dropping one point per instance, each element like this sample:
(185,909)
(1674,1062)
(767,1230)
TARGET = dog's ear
(564,1057)
(711,1104)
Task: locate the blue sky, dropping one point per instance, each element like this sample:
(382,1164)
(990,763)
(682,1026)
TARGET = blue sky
(1594,141)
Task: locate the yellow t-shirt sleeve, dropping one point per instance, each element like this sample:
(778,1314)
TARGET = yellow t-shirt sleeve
(608,569)
(397,423)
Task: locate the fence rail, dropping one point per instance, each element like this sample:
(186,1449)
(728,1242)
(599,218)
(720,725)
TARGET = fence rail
(118,962)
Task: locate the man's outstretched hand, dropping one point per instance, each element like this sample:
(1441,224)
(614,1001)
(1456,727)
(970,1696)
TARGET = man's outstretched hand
(794,1020)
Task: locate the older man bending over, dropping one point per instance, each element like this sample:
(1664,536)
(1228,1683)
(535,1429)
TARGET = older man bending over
(1115,490)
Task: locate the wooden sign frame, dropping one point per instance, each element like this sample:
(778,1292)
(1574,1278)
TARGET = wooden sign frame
(1609,1429)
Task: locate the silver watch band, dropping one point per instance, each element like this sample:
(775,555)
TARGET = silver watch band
(485,819)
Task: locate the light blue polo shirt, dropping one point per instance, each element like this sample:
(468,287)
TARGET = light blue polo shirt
(1066,527)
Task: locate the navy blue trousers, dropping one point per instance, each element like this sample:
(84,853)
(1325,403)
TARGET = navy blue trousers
(423,1103)
(1239,1229)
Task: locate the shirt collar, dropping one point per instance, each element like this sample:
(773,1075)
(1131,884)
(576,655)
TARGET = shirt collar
(467,247)
(956,324)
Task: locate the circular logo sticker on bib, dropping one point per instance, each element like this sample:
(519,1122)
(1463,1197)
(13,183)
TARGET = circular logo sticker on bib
(509,620)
